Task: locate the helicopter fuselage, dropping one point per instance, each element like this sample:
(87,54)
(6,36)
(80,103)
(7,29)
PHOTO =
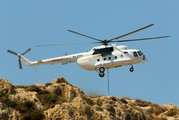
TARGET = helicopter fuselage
(106,56)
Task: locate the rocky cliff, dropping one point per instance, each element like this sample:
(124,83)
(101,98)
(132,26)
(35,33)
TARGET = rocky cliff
(59,100)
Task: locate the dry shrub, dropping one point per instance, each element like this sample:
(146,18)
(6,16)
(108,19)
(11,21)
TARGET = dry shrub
(171,113)
(153,105)
(28,111)
(158,110)
(36,89)
(111,113)
(126,98)
(49,100)
(34,115)
(99,103)
(21,86)
(142,103)
(94,94)
(48,84)
(25,107)
(124,101)
(113,98)
(159,118)
(8,102)
(136,108)
(60,80)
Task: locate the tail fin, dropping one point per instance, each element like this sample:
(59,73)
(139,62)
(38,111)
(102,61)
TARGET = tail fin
(25,60)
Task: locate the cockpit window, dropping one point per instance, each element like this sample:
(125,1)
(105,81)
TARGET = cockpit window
(135,54)
(140,53)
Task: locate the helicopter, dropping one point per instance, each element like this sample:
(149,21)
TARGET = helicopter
(99,58)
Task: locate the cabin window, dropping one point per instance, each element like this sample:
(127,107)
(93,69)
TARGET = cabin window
(121,56)
(115,57)
(98,60)
(109,58)
(135,54)
(104,59)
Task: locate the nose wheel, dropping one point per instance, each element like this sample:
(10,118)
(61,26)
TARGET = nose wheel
(131,69)
(101,71)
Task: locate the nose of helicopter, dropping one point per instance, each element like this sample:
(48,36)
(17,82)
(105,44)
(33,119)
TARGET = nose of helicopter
(144,59)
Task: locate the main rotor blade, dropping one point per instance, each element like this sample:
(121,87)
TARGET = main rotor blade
(12,52)
(131,32)
(26,51)
(140,39)
(62,44)
(83,35)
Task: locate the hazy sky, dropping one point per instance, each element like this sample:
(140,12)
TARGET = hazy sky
(25,24)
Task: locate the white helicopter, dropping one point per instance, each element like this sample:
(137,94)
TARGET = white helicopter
(98,58)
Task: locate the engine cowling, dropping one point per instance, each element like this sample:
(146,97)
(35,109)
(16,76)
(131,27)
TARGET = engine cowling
(104,51)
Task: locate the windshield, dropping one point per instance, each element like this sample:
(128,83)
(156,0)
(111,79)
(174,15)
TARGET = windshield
(140,53)
(135,54)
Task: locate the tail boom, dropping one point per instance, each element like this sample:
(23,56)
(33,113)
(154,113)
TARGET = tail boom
(25,60)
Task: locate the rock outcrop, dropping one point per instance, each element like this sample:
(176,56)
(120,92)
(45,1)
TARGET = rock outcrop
(59,100)
(7,87)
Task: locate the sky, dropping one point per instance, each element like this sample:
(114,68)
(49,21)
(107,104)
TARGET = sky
(25,24)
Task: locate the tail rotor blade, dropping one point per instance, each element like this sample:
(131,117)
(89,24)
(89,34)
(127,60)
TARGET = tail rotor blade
(20,65)
(26,51)
(12,52)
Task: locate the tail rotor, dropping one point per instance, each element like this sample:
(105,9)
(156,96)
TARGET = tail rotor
(19,60)
(26,51)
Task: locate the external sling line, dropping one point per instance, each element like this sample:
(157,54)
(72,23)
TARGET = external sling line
(108,80)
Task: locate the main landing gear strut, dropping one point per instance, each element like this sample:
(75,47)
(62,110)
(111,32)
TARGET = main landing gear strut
(101,71)
(131,69)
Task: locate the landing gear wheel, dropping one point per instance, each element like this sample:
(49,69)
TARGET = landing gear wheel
(101,69)
(101,74)
(131,69)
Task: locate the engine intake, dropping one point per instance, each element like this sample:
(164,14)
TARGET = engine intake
(104,51)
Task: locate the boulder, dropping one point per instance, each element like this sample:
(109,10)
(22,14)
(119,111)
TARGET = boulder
(77,109)
(22,96)
(60,80)
(82,107)
(7,87)
(7,113)
(68,91)
(171,106)
(57,113)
